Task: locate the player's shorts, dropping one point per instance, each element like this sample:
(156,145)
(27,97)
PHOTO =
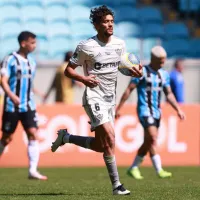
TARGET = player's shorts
(149,121)
(11,119)
(100,114)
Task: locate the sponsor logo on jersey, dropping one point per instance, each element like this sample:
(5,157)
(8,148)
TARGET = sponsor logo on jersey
(99,66)
(118,52)
(108,98)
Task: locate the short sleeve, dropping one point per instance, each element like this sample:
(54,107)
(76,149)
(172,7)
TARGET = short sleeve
(166,81)
(79,55)
(6,66)
(123,47)
(135,80)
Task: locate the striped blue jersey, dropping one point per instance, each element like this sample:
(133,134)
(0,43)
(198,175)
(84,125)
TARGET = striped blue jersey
(20,73)
(149,88)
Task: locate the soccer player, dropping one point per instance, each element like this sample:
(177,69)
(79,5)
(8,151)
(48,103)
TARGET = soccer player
(99,56)
(149,87)
(17,73)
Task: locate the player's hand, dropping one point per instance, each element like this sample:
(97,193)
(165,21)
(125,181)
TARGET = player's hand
(117,114)
(16,100)
(137,73)
(90,81)
(181,115)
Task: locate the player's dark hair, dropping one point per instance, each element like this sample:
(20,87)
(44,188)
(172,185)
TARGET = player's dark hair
(177,62)
(68,55)
(96,14)
(25,35)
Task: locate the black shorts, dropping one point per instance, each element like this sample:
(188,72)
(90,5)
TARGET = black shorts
(149,121)
(11,119)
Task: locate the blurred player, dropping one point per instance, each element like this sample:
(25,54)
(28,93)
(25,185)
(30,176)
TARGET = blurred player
(99,56)
(149,87)
(17,73)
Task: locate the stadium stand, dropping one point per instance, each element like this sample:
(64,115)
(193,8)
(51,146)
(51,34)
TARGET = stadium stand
(140,22)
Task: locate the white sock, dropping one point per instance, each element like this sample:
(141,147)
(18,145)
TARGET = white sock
(2,147)
(33,155)
(137,161)
(66,138)
(156,162)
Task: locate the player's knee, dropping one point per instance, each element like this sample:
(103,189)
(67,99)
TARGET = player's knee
(31,134)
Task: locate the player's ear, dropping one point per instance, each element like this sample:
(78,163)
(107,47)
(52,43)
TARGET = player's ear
(23,44)
(96,26)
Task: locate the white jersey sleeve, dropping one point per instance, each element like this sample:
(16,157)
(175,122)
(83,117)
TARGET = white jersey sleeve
(79,55)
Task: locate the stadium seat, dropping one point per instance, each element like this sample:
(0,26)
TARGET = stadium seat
(126,13)
(32,12)
(88,3)
(109,3)
(56,13)
(9,2)
(8,46)
(189,6)
(147,45)
(83,13)
(58,46)
(149,15)
(133,45)
(126,2)
(37,27)
(42,48)
(48,3)
(57,29)
(153,30)
(128,29)
(10,29)
(195,48)
(176,30)
(177,48)
(82,30)
(9,13)
(31,2)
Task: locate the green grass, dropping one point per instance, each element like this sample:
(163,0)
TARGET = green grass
(93,183)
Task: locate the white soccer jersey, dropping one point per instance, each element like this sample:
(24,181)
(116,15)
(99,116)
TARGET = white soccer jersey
(102,60)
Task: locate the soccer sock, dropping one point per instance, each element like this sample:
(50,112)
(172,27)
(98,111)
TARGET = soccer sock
(137,161)
(156,162)
(33,155)
(2,147)
(79,140)
(112,170)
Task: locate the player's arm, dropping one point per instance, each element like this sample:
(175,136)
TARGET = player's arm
(78,59)
(5,74)
(7,90)
(172,101)
(124,97)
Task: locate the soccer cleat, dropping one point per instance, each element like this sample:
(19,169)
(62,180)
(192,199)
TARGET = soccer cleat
(120,190)
(59,140)
(164,174)
(37,176)
(135,173)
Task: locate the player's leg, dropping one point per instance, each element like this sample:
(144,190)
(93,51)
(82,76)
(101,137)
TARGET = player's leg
(106,139)
(29,122)
(155,157)
(82,141)
(9,124)
(134,171)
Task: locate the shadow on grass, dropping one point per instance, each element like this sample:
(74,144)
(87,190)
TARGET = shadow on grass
(49,194)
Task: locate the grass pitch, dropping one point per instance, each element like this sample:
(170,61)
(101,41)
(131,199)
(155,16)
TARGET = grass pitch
(93,183)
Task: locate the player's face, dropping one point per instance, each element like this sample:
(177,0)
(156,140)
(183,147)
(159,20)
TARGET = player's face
(106,26)
(158,63)
(29,44)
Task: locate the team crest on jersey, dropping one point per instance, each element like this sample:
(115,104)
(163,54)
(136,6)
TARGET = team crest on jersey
(99,117)
(150,120)
(118,51)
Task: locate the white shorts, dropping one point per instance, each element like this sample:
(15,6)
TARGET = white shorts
(100,114)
